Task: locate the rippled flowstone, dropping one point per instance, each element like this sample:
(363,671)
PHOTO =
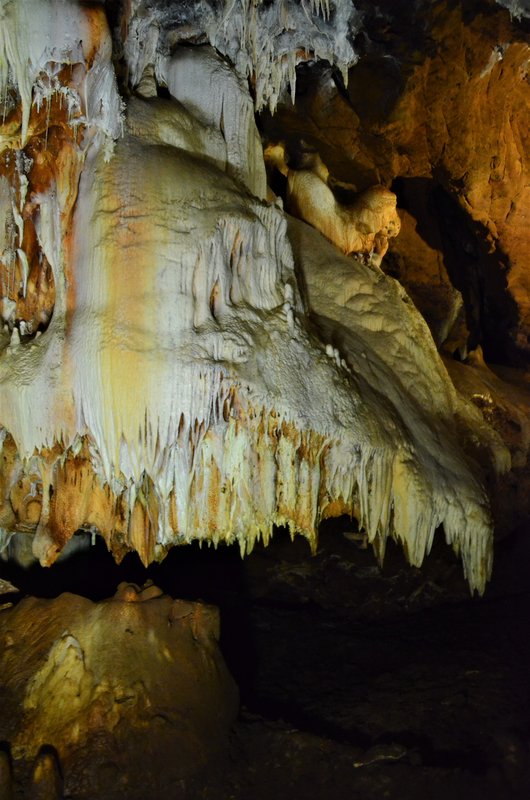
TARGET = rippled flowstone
(178,362)
(129,695)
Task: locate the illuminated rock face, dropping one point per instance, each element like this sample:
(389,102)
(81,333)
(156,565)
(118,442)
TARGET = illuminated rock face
(130,692)
(264,41)
(362,227)
(442,104)
(181,390)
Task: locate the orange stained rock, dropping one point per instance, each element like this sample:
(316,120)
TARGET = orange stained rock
(456,113)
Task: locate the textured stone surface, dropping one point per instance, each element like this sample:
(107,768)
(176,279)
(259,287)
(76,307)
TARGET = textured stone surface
(445,98)
(363,227)
(184,387)
(129,692)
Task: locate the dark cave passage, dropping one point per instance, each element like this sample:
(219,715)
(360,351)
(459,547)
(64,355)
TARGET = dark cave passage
(384,678)
(475,268)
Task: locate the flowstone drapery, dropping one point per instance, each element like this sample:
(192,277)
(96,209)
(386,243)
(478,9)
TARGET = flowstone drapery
(163,377)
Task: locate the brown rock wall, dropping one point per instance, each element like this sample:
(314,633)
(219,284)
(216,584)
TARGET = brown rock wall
(445,98)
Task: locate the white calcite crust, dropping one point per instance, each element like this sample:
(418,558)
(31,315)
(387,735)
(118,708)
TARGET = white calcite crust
(517,8)
(264,41)
(184,388)
(212,92)
(37,37)
(422,479)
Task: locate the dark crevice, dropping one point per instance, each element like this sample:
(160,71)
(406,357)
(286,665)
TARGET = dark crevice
(481,277)
(474,268)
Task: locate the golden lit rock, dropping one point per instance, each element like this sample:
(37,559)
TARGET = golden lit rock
(206,333)
(362,227)
(46,781)
(446,104)
(114,696)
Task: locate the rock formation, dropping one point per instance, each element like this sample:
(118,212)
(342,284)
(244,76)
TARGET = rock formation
(178,337)
(88,687)
(441,109)
(155,329)
(363,227)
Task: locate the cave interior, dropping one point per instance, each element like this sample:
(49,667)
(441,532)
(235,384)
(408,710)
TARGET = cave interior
(264,399)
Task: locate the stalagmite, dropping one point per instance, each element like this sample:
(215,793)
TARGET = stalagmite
(182,387)
(46,782)
(105,699)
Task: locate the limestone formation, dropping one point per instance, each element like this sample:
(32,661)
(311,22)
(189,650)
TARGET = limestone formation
(189,353)
(440,113)
(46,781)
(169,372)
(106,699)
(264,41)
(6,587)
(363,227)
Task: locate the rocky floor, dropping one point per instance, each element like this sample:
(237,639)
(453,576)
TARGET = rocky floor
(358,682)
(411,690)
(435,705)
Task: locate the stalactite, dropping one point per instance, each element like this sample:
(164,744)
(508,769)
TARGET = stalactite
(180,390)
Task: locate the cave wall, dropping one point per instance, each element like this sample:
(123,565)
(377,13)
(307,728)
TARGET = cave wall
(440,95)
